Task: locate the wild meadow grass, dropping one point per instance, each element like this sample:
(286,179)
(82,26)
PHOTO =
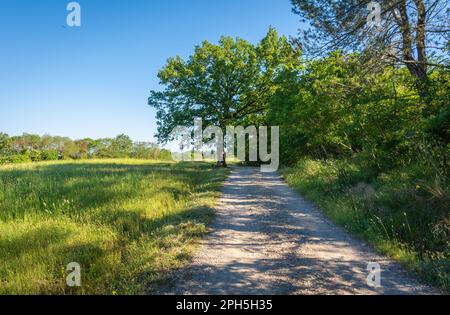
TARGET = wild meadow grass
(128,223)
(404,213)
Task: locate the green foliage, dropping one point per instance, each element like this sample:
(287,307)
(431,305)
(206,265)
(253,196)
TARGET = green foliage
(439,122)
(27,148)
(145,150)
(165,155)
(49,155)
(15,158)
(224,84)
(313,109)
(334,108)
(5,142)
(121,146)
(128,223)
(34,155)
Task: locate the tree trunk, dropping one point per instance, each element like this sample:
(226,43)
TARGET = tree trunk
(224,162)
(422,60)
(417,68)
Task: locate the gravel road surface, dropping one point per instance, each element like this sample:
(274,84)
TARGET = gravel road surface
(266,239)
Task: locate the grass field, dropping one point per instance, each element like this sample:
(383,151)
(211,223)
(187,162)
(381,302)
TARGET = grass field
(404,213)
(128,223)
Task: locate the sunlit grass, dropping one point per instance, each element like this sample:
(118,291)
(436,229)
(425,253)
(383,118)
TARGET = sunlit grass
(126,222)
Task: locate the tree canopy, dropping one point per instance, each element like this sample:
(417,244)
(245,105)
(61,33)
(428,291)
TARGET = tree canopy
(225,83)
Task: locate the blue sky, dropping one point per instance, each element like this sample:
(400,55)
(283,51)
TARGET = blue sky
(94,81)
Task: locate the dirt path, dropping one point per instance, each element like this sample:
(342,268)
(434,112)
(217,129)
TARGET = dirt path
(267,240)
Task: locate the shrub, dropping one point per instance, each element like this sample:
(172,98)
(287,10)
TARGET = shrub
(165,155)
(18,158)
(49,155)
(35,155)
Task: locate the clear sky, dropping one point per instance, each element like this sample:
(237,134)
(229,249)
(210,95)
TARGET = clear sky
(93,81)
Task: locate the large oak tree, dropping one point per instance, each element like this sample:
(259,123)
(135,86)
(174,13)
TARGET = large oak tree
(226,83)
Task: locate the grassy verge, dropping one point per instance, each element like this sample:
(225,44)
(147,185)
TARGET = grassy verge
(402,213)
(126,222)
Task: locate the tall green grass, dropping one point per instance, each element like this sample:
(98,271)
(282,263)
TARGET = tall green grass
(128,223)
(404,213)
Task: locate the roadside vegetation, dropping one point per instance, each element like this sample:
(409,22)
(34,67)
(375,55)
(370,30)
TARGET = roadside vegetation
(128,223)
(403,213)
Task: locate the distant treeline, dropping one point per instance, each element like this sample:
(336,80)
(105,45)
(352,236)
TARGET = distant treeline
(34,148)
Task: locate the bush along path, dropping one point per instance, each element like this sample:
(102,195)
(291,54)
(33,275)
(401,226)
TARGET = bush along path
(265,239)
